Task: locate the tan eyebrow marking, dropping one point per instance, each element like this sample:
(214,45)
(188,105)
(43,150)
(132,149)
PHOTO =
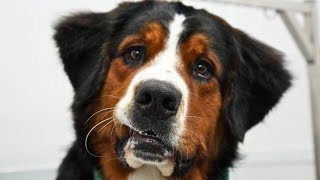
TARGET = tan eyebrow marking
(129,41)
(198,45)
(151,35)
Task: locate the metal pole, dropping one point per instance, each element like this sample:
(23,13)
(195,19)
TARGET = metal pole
(301,38)
(314,80)
(314,83)
(272,4)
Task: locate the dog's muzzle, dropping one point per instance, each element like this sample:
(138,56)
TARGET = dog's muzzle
(153,118)
(156,104)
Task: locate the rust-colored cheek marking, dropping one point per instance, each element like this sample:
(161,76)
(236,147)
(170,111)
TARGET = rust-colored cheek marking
(203,131)
(103,138)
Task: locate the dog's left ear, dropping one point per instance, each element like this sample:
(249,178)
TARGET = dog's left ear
(258,84)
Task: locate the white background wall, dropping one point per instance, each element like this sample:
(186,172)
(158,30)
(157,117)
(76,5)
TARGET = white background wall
(35,94)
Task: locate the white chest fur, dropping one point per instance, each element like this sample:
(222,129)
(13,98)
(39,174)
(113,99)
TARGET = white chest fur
(146,172)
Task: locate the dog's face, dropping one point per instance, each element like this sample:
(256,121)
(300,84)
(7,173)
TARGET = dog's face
(174,85)
(169,90)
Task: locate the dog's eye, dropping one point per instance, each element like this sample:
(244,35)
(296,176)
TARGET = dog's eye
(202,70)
(135,55)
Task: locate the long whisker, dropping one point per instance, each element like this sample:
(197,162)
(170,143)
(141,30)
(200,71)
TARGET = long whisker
(186,147)
(110,95)
(195,134)
(101,97)
(121,127)
(196,95)
(106,113)
(114,125)
(106,124)
(86,140)
(112,108)
(193,117)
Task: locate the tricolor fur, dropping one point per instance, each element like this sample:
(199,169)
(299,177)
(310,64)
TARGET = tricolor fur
(163,91)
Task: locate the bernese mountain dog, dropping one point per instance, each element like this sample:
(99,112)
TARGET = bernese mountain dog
(162,91)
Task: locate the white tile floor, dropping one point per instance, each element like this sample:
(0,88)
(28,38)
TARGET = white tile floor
(261,172)
(31,175)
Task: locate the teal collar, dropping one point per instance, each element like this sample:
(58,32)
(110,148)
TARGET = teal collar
(98,176)
(225,175)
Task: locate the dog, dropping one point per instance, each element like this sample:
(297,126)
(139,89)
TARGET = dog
(162,91)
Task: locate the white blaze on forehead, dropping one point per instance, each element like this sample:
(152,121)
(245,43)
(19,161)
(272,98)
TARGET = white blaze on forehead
(164,67)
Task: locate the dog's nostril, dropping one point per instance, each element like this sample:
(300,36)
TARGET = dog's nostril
(169,104)
(144,99)
(157,100)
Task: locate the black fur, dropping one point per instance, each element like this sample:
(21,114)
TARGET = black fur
(79,38)
(260,82)
(253,82)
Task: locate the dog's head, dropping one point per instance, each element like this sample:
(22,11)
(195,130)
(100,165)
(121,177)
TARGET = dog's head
(168,85)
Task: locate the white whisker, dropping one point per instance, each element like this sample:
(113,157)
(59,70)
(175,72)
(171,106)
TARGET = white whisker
(121,127)
(101,97)
(194,134)
(106,113)
(110,95)
(106,124)
(86,140)
(186,147)
(97,113)
(114,125)
(193,117)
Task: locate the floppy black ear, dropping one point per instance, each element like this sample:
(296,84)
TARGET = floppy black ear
(83,39)
(80,39)
(259,83)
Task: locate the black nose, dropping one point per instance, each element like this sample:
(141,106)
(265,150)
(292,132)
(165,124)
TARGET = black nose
(157,99)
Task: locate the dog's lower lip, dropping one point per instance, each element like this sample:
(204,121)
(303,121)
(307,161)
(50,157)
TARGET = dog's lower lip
(147,139)
(148,146)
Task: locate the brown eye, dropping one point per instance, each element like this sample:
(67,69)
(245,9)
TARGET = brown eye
(135,55)
(202,70)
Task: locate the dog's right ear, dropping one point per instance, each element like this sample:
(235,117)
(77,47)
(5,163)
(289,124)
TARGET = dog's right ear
(80,38)
(83,40)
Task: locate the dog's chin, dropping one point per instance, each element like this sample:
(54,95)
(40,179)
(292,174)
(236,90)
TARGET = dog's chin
(145,148)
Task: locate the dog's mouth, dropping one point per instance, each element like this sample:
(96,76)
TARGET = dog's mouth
(147,146)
